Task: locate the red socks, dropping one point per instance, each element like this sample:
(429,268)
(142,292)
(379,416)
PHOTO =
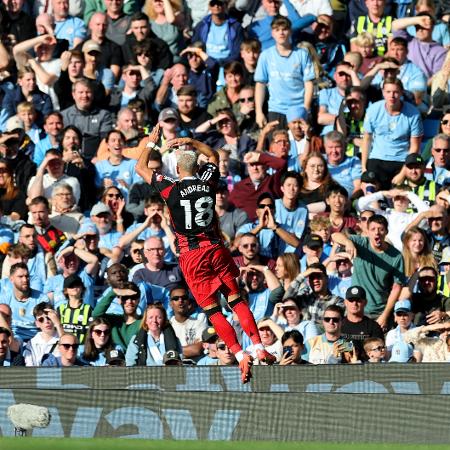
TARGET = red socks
(225,331)
(247,321)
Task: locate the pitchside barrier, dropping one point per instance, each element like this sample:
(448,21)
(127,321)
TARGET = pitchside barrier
(370,402)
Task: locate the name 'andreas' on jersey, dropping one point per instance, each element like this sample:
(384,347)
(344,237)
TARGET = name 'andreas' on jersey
(191,204)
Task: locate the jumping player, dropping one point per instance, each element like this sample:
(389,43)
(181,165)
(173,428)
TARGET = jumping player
(206,263)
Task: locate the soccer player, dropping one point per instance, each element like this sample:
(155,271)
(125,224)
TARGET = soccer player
(205,262)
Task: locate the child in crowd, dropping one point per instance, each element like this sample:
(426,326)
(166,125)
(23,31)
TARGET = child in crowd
(364,44)
(375,350)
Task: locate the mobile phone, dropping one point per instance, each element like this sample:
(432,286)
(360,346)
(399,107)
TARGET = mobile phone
(287,351)
(347,346)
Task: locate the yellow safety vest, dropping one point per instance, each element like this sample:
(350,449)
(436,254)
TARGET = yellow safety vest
(382,31)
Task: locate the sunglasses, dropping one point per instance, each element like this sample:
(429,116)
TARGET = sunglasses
(249,99)
(440,150)
(249,245)
(262,206)
(42,319)
(114,195)
(331,319)
(215,3)
(101,332)
(136,250)
(223,122)
(133,298)
(435,219)
(289,308)
(401,314)
(377,349)
(427,279)
(179,297)
(342,261)
(363,219)
(343,74)
(445,122)
(221,347)
(70,346)
(3,170)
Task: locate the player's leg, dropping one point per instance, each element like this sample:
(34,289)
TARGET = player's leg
(226,332)
(230,290)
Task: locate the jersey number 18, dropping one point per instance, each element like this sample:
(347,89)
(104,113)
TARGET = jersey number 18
(202,212)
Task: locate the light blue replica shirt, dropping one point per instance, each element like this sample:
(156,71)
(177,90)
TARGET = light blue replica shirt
(391,134)
(331,99)
(346,172)
(285,76)
(124,171)
(217,41)
(293,220)
(70,28)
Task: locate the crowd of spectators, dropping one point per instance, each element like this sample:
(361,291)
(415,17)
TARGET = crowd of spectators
(330,118)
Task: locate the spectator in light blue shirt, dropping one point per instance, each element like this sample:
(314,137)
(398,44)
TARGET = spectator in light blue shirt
(288,72)
(392,129)
(67,27)
(345,170)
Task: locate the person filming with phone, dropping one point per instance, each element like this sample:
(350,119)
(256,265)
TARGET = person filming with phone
(292,349)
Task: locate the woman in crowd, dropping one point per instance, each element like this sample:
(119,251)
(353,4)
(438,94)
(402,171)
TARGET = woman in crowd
(270,334)
(113,197)
(316,180)
(155,338)
(286,269)
(416,251)
(98,344)
(12,200)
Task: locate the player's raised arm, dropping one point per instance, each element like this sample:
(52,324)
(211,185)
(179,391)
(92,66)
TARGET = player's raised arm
(142,168)
(202,148)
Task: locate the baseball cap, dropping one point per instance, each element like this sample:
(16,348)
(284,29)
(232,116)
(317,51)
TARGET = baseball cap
(14,123)
(87,227)
(369,177)
(413,158)
(357,292)
(313,241)
(445,256)
(72,281)
(167,113)
(295,113)
(115,358)
(171,356)
(208,334)
(401,352)
(100,208)
(91,46)
(402,306)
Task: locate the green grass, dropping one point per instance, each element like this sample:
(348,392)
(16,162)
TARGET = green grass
(124,444)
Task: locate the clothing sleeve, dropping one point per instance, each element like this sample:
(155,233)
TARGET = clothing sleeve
(310,331)
(79,29)
(368,120)
(324,97)
(106,124)
(416,125)
(131,353)
(363,203)
(261,73)
(356,170)
(417,202)
(103,304)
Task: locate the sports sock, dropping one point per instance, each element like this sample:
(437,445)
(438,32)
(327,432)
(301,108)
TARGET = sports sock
(225,331)
(247,321)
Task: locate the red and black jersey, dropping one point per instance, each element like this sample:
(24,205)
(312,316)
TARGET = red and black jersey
(191,202)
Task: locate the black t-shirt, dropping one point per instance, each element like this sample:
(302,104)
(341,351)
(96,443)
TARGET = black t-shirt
(191,202)
(357,332)
(198,116)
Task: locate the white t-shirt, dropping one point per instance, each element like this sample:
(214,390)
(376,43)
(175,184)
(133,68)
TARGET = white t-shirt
(54,67)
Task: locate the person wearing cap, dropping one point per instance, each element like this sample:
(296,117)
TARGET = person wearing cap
(444,268)
(356,326)
(137,84)
(67,27)
(378,268)
(9,357)
(51,172)
(438,166)
(101,216)
(403,317)
(74,314)
(311,288)
(209,339)
(94,121)
(330,99)
(69,258)
(413,175)
(382,150)
(345,170)
(172,358)
(273,237)
(187,322)
(312,251)
(339,268)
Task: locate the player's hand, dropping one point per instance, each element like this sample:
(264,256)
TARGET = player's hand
(176,143)
(154,135)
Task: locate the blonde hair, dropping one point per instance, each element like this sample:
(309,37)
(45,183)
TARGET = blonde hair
(149,10)
(186,160)
(319,223)
(425,259)
(363,39)
(291,264)
(25,106)
(318,69)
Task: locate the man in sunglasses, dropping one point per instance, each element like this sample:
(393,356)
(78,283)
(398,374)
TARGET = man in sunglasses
(123,326)
(273,237)
(8,357)
(327,348)
(438,167)
(45,342)
(68,349)
(249,253)
(187,323)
